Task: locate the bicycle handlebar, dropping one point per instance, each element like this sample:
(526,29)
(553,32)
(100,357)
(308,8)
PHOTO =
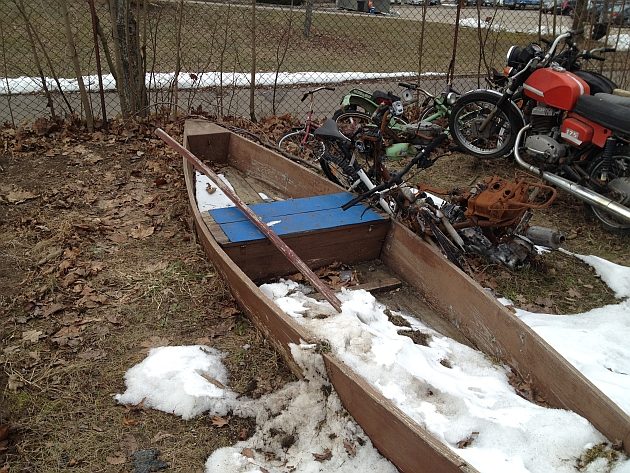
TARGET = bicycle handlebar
(311,92)
(421,160)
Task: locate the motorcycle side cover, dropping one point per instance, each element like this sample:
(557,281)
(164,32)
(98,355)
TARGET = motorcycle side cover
(555,87)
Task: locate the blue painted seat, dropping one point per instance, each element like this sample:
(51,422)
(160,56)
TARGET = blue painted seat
(293,216)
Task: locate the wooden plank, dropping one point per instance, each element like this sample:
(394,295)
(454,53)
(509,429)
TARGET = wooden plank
(285,176)
(260,260)
(379,285)
(286,225)
(376,286)
(498,332)
(289,207)
(216,230)
(242,186)
(207,140)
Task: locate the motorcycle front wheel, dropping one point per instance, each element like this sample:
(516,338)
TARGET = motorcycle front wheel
(616,187)
(302,145)
(497,139)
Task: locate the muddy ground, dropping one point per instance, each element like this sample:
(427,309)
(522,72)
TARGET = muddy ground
(99,263)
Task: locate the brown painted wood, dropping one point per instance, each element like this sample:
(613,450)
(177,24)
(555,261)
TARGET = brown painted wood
(498,332)
(280,173)
(402,441)
(461,301)
(197,140)
(286,251)
(242,186)
(261,260)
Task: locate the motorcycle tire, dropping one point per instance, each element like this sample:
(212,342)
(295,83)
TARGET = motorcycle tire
(498,138)
(619,169)
(310,150)
(340,171)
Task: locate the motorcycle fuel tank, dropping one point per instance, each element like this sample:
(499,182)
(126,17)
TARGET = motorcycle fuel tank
(556,87)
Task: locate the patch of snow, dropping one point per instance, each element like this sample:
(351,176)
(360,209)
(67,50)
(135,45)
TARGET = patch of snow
(211,200)
(447,388)
(273,222)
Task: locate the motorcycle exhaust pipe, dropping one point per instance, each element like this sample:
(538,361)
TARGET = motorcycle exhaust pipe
(583,193)
(543,236)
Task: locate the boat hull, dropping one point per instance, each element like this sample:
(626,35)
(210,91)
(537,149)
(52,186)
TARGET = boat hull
(458,299)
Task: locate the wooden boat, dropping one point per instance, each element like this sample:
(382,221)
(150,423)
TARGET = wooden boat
(447,298)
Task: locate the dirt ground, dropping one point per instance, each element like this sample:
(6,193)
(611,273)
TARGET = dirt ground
(99,263)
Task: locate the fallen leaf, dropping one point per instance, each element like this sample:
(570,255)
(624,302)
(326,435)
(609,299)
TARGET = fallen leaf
(351,449)
(158,266)
(211,380)
(128,422)
(119,459)
(4,431)
(31,335)
(117,237)
(220,421)
(155,341)
(574,293)
(247,452)
(53,309)
(468,440)
(324,456)
(142,231)
(243,434)
(19,196)
(160,436)
(92,355)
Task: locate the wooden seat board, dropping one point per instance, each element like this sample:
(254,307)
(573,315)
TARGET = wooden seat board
(283,208)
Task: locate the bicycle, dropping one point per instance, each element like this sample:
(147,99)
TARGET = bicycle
(492,219)
(301,142)
(434,108)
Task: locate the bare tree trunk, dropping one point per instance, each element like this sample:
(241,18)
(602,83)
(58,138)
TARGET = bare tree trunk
(74,57)
(130,63)
(27,24)
(6,75)
(44,51)
(285,39)
(99,71)
(178,59)
(222,61)
(308,19)
(106,51)
(252,85)
(423,25)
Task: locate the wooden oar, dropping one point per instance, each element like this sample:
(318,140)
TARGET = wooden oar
(294,259)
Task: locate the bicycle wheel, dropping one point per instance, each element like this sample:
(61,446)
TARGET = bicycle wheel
(341,171)
(349,122)
(303,146)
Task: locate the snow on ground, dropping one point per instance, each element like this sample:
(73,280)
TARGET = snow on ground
(185,381)
(189,80)
(451,390)
(595,342)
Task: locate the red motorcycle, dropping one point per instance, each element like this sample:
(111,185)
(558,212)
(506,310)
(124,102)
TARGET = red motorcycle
(571,139)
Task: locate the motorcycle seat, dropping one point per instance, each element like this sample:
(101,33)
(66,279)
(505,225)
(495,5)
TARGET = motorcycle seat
(611,111)
(379,95)
(614,99)
(330,130)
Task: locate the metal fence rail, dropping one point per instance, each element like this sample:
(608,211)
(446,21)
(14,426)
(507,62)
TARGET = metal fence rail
(293,46)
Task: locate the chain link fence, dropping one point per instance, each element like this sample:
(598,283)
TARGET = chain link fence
(202,55)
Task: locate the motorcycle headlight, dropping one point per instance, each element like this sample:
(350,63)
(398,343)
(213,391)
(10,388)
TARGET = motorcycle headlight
(397,108)
(517,57)
(451,98)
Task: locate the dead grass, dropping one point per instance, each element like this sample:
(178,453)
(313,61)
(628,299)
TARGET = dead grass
(117,296)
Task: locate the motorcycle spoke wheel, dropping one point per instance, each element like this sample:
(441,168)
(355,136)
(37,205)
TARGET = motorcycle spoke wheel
(309,149)
(496,140)
(619,191)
